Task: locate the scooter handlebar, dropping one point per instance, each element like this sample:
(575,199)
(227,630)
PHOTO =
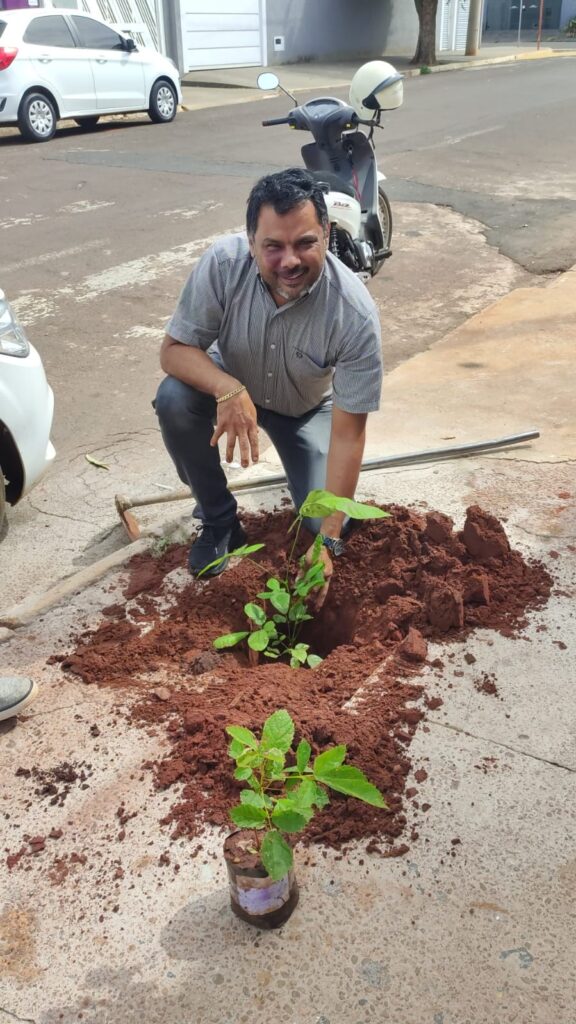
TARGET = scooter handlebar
(276,120)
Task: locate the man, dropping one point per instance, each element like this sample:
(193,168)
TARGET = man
(298,353)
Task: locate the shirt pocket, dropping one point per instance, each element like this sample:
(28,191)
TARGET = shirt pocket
(302,365)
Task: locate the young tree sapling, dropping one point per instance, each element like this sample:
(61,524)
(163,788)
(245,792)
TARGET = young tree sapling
(282,799)
(275,633)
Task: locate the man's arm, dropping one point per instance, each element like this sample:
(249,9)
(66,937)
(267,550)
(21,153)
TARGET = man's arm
(192,366)
(347,441)
(235,417)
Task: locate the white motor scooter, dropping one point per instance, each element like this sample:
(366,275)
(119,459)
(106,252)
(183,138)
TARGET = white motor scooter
(343,160)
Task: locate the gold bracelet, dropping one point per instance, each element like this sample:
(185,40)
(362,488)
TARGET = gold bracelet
(231,394)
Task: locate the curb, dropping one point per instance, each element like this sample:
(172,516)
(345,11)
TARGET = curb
(415,72)
(22,614)
(26,611)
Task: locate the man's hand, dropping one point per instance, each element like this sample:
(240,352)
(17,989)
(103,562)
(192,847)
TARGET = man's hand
(318,597)
(237,418)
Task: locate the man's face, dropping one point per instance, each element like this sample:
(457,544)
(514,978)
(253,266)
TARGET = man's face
(290,250)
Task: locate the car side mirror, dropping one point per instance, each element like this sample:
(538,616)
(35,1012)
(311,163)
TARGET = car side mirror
(129,45)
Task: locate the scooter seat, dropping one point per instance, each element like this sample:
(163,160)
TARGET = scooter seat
(336,183)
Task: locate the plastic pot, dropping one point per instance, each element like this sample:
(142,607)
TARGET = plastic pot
(254,896)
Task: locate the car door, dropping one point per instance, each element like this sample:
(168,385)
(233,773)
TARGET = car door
(118,73)
(55,61)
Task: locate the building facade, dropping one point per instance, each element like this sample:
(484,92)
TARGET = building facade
(210,34)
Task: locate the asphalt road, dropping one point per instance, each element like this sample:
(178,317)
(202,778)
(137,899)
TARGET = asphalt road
(99,230)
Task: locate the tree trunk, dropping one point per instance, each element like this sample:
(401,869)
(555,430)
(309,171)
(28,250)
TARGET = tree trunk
(426,48)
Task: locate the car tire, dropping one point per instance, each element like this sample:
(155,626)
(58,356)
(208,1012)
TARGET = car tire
(87,122)
(163,102)
(37,118)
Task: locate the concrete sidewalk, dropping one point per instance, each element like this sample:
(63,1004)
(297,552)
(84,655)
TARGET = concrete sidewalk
(98,926)
(238,85)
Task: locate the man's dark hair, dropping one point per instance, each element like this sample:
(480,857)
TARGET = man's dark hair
(284,191)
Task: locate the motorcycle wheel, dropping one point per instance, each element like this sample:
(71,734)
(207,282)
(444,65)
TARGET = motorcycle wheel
(385,217)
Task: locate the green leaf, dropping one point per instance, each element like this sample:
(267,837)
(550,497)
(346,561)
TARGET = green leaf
(273,584)
(235,749)
(243,775)
(298,613)
(319,504)
(255,612)
(246,816)
(258,640)
(270,628)
(276,855)
(229,640)
(271,654)
(352,782)
(275,755)
(248,759)
(307,795)
(303,752)
(298,654)
(244,736)
(329,759)
(280,600)
(278,731)
(286,818)
(248,798)
(314,660)
(246,549)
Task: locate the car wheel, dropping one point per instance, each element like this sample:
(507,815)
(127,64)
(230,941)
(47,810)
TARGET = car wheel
(163,102)
(37,118)
(87,122)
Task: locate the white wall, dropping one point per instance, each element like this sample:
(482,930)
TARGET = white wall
(341,29)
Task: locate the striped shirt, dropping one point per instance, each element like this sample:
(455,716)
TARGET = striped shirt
(291,358)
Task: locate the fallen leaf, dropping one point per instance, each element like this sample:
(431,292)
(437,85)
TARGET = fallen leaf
(94,462)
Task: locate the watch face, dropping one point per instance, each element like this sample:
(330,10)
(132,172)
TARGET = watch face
(334,544)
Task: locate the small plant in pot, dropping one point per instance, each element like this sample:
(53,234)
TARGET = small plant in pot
(279,800)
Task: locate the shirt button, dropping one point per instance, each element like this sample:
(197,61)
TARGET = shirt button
(269,374)
(272,346)
(267,400)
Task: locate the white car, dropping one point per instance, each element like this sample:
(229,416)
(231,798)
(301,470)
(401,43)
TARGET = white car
(26,409)
(68,65)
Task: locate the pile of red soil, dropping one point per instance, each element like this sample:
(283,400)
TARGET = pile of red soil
(402,582)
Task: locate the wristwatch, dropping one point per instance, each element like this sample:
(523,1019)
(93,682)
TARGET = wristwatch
(334,544)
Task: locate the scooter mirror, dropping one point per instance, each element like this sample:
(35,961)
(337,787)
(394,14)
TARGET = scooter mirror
(267,80)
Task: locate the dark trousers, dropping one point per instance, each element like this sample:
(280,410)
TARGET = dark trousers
(187,418)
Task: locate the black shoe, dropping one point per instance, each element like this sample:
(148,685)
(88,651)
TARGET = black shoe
(215,542)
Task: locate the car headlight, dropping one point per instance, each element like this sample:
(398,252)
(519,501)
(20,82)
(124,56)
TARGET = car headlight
(13,341)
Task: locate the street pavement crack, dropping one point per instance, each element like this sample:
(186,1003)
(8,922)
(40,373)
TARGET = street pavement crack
(504,746)
(59,515)
(14,1016)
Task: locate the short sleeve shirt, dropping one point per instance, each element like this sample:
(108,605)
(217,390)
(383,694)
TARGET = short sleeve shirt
(291,358)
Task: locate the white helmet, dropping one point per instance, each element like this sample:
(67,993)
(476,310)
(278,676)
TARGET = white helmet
(376,86)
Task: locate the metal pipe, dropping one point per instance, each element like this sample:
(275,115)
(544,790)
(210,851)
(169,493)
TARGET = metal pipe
(410,459)
(132,527)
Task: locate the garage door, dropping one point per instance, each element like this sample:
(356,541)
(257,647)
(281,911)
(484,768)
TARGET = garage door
(221,33)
